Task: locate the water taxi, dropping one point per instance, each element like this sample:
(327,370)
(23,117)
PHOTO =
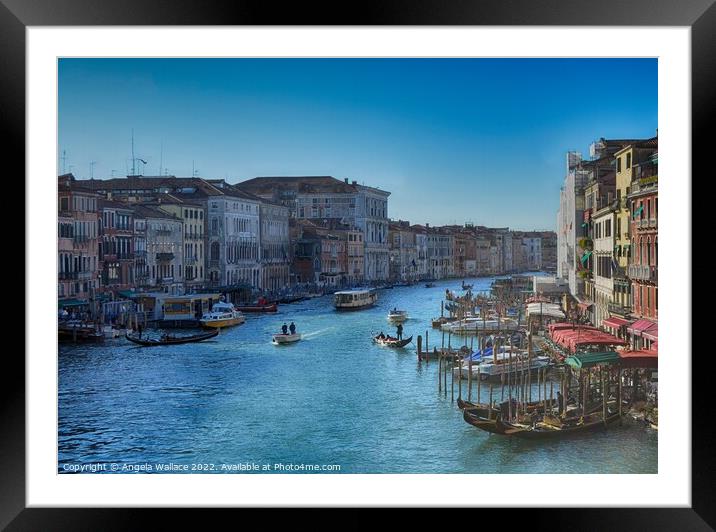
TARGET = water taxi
(222,315)
(355,299)
(397,316)
(282,339)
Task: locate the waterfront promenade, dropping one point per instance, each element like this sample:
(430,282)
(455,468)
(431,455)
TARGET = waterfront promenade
(333,398)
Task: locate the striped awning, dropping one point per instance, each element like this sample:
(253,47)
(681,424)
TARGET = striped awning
(615,322)
(639,327)
(652,333)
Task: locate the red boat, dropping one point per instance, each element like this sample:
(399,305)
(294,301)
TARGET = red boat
(273,307)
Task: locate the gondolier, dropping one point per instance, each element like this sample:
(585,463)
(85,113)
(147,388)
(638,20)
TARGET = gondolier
(399,331)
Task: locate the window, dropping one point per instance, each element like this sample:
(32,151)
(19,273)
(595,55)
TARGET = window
(628,160)
(619,164)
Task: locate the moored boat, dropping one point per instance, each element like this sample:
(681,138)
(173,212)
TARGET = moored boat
(167,339)
(355,299)
(222,315)
(283,339)
(272,307)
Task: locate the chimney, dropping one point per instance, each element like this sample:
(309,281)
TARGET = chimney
(346,180)
(355,182)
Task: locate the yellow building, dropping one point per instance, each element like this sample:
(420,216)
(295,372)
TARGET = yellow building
(622,241)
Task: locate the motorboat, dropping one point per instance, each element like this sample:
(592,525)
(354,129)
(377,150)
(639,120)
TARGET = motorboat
(474,324)
(222,315)
(283,339)
(397,316)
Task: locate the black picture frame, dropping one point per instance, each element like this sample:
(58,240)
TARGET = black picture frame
(699,15)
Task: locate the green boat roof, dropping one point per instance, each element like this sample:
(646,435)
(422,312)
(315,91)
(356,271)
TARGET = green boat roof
(588,360)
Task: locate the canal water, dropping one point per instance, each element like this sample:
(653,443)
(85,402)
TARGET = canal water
(334,398)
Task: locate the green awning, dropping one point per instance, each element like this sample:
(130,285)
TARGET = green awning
(585,257)
(62,303)
(129,294)
(638,211)
(588,360)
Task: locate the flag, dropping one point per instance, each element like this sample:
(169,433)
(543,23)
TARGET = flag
(638,212)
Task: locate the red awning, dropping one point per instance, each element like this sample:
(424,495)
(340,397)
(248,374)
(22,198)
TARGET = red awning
(639,326)
(571,338)
(652,333)
(643,358)
(615,322)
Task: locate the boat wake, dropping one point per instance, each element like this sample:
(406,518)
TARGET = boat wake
(308,336)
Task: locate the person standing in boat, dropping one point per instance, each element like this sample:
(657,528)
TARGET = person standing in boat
(292,328)
(139,329)
(560,403)
(284,329)
(399,331)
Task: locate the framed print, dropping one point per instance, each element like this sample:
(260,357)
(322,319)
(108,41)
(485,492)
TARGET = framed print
(407,260)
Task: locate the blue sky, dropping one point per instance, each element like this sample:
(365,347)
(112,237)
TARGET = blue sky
(453,140)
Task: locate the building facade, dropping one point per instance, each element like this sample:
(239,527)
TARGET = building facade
(643,266)
(116,246)
(328,198)
(78,241)
(275,259)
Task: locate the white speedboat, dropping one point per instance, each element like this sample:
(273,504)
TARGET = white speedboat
(397,316)
(222,315)
(488,369)
(475,324)
(282,339)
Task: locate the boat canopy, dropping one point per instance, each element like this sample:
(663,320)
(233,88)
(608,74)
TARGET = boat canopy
(589,360)
(545,309)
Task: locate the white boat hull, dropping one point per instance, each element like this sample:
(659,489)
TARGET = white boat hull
(282,339)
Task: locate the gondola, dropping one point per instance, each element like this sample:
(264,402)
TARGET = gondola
(543,430)
(272,307)
(392,342)
(172,340)
(480,417)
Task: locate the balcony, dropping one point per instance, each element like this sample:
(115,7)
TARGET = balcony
(642,272)
(194,236)
(615,308)
(165,257)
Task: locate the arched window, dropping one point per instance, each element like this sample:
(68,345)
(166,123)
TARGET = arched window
(214,251)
